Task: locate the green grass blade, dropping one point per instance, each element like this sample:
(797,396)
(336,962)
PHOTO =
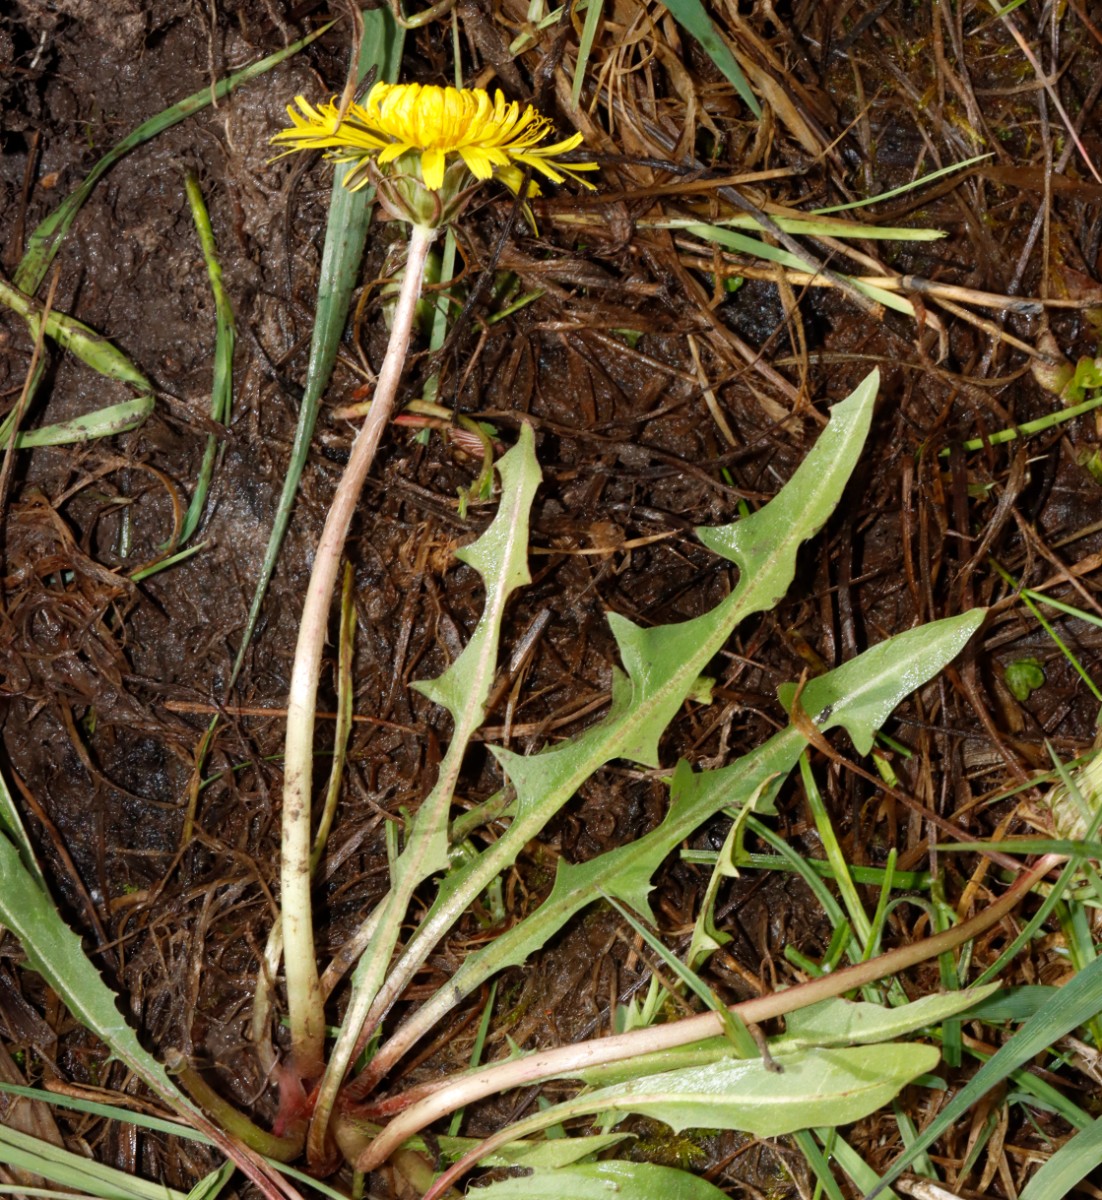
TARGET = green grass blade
(110,1112)
(805,226)
(163,564)
(859,919)
(29,1153)
(221,392)
(45,241)
(903,188)
(742,244)
(345,237)
(851,1162)
(818,1163)
(735,1029)
(96,352)
(593,13)
(690,15)
(211,1185)
(1071,1164)
(1075,1003)
(104,422)
(1029,428)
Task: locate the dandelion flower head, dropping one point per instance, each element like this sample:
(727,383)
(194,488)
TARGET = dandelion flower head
(435,127)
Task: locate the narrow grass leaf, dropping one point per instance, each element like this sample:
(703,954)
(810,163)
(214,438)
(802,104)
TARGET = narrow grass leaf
(599,1181)
(1028,428)
(110,1112)
(341,256)
(221,391)
(1076,1002)
(162,564)
(691,15)
(804,226)
(96,352)
(738,1036)
(851,1162)
(1068,1167)
(211,1185)
(756,248)
(593,12)
(75,1171)
(921,182)
(44,243)
(859,919)
(817,1161)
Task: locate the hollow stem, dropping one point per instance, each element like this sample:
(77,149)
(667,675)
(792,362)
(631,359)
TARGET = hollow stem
(304,999)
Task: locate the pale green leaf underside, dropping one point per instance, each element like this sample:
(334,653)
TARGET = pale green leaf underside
(614,1180)
(854,1023)
(820,1087)
(832,1023)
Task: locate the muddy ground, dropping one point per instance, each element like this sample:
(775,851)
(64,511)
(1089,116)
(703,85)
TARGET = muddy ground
(713,400)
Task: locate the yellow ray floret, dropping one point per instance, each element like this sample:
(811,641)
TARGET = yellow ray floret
(492,137)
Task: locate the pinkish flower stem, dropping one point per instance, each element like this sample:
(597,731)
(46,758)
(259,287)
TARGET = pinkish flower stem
(304,999)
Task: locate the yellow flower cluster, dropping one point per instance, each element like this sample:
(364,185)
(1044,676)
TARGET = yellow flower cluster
(492,137)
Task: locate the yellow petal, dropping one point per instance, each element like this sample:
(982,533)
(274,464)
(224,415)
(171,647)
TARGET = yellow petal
(432,169)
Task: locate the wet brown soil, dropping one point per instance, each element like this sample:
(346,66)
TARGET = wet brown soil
(708,401)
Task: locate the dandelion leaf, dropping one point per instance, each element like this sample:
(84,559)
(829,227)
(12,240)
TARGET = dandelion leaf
(600,1180)
(663,664)
(814,1088)
(500,556)
(860,692)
